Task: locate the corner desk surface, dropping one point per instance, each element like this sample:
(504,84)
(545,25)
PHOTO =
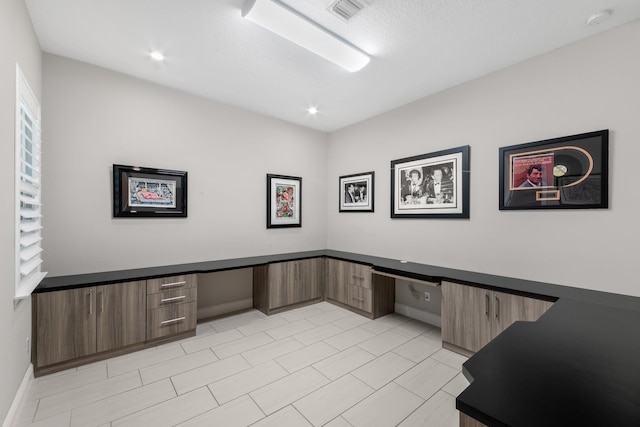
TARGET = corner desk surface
(579,364)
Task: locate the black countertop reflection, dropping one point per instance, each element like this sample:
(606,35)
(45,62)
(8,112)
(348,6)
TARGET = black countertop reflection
(578,365)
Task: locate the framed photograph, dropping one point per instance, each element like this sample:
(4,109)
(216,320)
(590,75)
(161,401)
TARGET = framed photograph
(148,192)
(284,201)
(356,192)
(570,172)
(434,185)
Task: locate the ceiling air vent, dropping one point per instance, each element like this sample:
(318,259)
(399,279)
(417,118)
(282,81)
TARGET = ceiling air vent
(346,9)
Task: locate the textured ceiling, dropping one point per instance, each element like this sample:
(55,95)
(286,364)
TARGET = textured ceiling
(418,47)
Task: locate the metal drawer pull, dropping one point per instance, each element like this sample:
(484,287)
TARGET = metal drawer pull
(173,299)
(168,285)
(358,277)
(177,319)
(359,299)
(486,305)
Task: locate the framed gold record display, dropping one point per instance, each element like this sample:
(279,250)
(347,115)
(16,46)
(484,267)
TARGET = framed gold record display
(570,172)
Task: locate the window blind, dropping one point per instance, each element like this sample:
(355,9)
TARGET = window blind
(28,190)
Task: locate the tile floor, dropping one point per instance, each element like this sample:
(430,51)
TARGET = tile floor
(318,365)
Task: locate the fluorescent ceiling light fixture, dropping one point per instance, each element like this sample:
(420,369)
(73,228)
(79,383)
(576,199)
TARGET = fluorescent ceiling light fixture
(285,22)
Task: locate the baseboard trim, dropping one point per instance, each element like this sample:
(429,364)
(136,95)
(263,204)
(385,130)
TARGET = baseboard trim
(20,396)
(421,315)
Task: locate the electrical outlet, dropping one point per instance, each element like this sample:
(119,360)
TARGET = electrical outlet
(28,345)
(427,296)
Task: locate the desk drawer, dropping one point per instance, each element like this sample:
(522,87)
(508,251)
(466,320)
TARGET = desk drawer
(360,298)
(171,320)
(167,298)
(358,275)
(162,284)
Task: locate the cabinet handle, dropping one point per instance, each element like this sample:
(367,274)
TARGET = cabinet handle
(497,307)
(101,302)
(177,319)
(173,299)
(355,276)
(168,285)
(91,302)
(486,304)
(359,299)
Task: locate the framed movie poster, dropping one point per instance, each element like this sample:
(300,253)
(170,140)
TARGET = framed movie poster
(434,185)
(149,192)
(570,172)
(356,192)
(284,201)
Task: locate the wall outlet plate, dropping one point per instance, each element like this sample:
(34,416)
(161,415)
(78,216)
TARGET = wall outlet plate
(427,296)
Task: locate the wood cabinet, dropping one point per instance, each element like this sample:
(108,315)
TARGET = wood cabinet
(472,316)
(64,325)
(77,326)
(75,323)
(283,285)
(171,305)
(354,286)
(120,315)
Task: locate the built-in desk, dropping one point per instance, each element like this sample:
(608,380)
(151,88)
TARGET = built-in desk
(578,365)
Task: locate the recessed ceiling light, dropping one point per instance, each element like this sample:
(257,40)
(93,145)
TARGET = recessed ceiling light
(157,56)
(599,18)
(312,110)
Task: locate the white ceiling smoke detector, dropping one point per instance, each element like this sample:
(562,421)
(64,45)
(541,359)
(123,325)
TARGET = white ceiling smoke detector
(599,18)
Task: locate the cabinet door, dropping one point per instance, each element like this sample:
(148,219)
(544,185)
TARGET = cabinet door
(466,314)
(336,286)
(281,280)
(65,325)
(310,279)
(509,308)
(121,314)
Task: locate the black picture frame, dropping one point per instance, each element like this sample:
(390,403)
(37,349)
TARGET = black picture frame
(284,201)
(570,172)
(142,192)
(356,192)
(418,190)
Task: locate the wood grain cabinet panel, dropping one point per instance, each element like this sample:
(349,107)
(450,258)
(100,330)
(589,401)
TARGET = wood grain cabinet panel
(121,312)
(284,285)
(66,325)
(171,306)
(171,320)
(354,286)
(472,316)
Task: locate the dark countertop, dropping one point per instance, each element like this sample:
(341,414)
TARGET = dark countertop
(578,365)
(388,265)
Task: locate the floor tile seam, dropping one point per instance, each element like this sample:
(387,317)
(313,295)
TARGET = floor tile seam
(181,372)
(371,391)
(119,394)
(266,361)
(419,397)
(94,401)
(219,379)
(309,365)
(392,380)
(148,407)
(147,366)
(459,369)
(235,354)
(69,389)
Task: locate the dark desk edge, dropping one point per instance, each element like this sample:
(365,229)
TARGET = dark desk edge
(408,269)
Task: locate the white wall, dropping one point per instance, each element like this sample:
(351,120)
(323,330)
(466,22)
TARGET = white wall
(17,44)
(588,86)
(96,118)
